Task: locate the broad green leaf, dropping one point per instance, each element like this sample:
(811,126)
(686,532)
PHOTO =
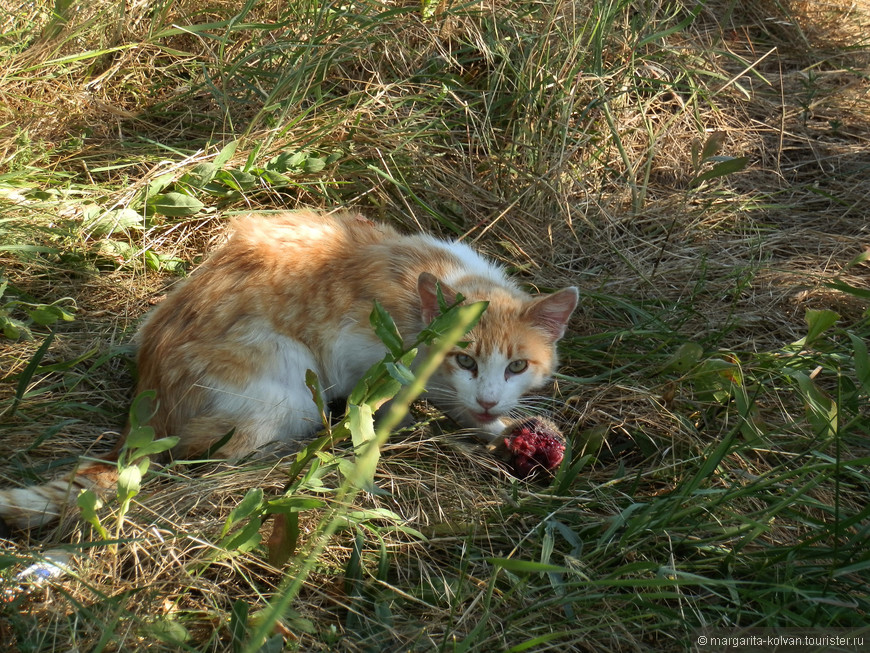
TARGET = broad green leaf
(138,437)
(225,154)
(275,179)
(88,502)
(249,505)
(313,165)
(238,179)
(362,425)
(294,504)
(46,315)
(428,9)
(400,373)
(862,362)
(13,329)
(685,358)
(818,322)
(43,316)
(174,205)
(238,624)
(169,630)
(362,429)
(156,447)
(158,184)
(285,162)
(821,409)
(200,175)
(129,483)
(152,260)
(712,145)
(123,220)
(385,329)
(117,250)
(143,408)
(722,169)
(246,539)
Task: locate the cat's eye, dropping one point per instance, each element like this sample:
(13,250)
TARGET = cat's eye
(518,366)
(466,362)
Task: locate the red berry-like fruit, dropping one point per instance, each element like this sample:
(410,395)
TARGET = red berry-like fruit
(534,444)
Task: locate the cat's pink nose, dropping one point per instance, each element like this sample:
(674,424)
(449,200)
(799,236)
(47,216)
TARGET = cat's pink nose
(486,405)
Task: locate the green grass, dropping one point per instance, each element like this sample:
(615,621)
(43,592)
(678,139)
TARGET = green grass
(699,172)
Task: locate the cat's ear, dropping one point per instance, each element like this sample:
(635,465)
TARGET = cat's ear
(426,288)
(552,312)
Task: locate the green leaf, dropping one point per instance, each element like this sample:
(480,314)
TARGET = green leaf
(862,362)
(88,502)
(842,286)
(385,329)
(246,539)
(138,437)
(818,322)
(129,483)
(275,179)
(722,169)
(249,505)
(428,8)
(362,425)
(685,358)
(174,205)
(169,631)
(287,505)
(157,185)
(200,175)
(48,314)
(152,260)
(238,180)
(143,408)
(362,429)
(285,162)
(156,447)
(400,373)
(313,165)
(123,220)
(25,376)
(238,624)
(13,329)
(822,412)
(226,154)
(712,145)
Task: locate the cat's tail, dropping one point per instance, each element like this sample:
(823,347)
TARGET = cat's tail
(37,505)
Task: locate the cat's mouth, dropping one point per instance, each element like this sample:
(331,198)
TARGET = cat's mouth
(485,417)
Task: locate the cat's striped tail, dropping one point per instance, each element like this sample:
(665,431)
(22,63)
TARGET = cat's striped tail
(38,505)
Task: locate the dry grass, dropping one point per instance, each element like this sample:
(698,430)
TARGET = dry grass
(564,152)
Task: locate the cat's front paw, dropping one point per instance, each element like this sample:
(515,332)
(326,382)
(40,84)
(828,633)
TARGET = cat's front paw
(491,431)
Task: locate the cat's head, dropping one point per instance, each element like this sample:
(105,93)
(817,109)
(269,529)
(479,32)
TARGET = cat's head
(511,350)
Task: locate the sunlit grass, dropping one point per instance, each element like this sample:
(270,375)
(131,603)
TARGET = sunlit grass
(715,383)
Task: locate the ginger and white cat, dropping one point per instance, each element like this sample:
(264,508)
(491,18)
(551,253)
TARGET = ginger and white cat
(229,348)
